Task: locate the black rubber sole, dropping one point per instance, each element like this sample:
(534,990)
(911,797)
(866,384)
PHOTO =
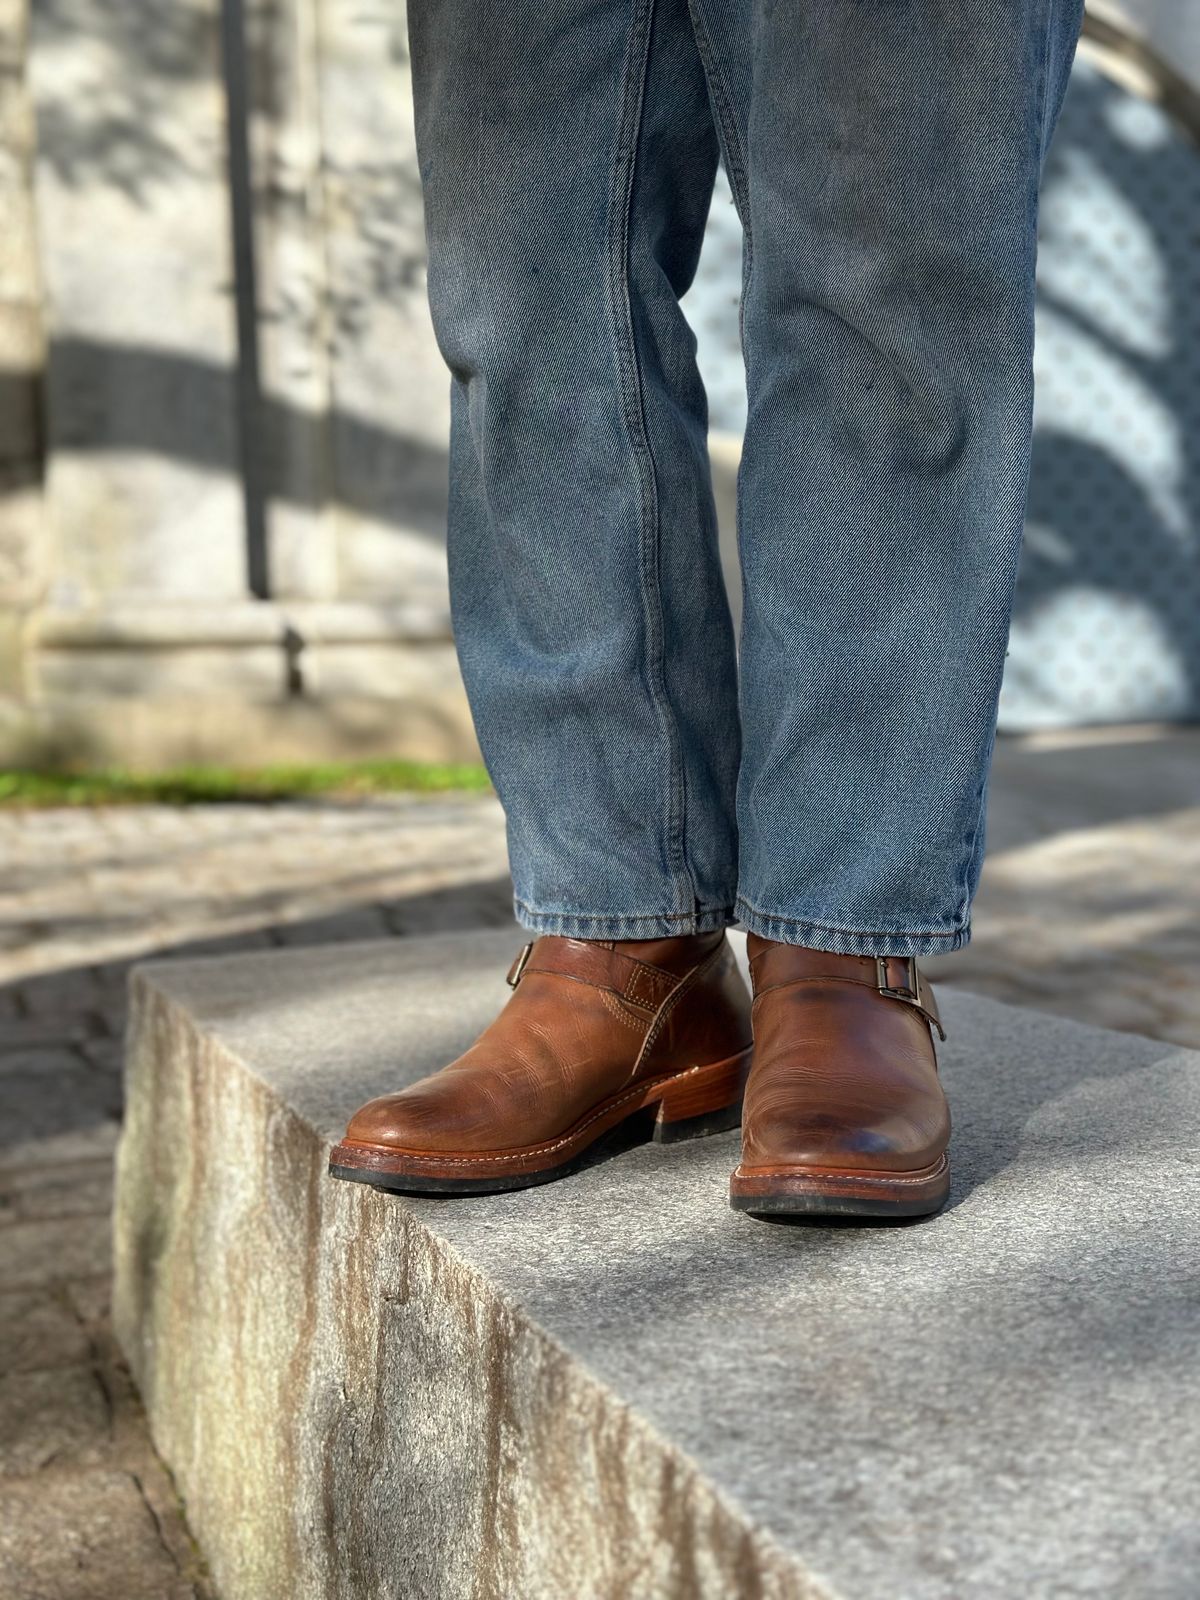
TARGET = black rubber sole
(813,1208)
(723,1121)
(395,1183)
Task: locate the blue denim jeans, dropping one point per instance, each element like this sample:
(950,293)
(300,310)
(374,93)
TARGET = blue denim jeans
(825,781)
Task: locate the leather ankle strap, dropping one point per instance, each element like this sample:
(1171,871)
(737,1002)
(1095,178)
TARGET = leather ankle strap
(772,966)
(589,961)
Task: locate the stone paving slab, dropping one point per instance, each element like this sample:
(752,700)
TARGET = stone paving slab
(617,1385)
(51,1413)
(57,1115)
(56,1250)
(38,1331)
(85,1536)
(40,1193)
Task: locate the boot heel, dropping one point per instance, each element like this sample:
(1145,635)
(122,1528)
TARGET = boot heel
(706,1100)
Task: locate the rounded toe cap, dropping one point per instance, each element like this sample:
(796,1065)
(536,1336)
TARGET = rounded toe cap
(447,1112)
(403,1121)
(805,1136)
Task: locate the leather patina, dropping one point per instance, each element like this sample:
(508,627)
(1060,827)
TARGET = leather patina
(593,1033)
(844,1111)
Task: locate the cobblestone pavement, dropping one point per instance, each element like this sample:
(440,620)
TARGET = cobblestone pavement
(1088,907)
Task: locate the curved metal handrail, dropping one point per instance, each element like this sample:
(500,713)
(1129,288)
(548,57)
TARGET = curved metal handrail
(1111,41)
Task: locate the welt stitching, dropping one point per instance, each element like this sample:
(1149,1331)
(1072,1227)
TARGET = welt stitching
(652,972)
(864,1179)
(568,1138)
(573,977)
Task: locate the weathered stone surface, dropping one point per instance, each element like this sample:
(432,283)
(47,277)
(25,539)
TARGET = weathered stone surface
(258,622)
(19,519)
(299,681)
(20,361)
(618,1386)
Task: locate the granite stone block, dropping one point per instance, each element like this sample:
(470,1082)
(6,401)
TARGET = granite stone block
(617,1386)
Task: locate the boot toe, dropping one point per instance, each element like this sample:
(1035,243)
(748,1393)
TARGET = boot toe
(419,1119)
(809,1138)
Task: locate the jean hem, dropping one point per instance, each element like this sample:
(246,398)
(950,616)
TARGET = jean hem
(850,941)
(622,925)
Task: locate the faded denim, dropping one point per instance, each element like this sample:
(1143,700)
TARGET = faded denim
(827,784)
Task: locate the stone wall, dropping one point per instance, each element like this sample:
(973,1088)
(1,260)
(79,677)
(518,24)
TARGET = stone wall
(21,356)
(226,538)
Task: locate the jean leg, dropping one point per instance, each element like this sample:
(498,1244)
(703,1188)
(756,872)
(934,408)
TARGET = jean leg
(568,156)
(893,155)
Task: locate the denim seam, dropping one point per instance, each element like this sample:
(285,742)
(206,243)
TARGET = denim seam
(739,181)
(726,121)
(962,915)
(1039,141)
(866,933)
(738,168)
(1044,85)
(633,411)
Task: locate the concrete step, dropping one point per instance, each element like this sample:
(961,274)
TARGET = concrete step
(615,1386)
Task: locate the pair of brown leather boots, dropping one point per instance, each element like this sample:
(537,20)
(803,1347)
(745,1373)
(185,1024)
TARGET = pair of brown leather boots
(831,1071)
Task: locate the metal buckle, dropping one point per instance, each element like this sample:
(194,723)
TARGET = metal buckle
(914,995)
(519,965)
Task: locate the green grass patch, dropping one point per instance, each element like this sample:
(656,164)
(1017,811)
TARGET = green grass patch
(186,786)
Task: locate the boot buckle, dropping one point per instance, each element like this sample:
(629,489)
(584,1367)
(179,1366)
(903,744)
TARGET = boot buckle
(914,993)
(519,965)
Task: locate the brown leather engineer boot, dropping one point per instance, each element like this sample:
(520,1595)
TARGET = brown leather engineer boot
(844,1112)
(594,1032)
